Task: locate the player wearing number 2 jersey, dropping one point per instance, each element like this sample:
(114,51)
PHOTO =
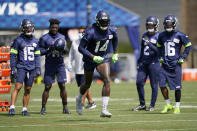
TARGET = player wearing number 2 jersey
(170,42)
(148,64)
(25,57)
(94,46)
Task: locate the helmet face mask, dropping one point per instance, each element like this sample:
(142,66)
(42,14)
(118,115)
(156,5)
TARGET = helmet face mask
(102,20)
(152,23)
(27,27)
(169,23)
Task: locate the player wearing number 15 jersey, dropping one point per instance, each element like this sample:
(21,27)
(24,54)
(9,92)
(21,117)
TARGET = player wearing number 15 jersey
(170,42)
(94,46)
(25,57)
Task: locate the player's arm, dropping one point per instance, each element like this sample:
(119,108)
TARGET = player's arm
(13,57)
(43,48)
(187,45)
(141,52)
(115,45)
(159,46)
(37,60)
(153,47)
(70,58)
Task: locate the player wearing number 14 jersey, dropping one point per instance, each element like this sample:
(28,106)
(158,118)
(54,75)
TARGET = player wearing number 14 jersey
(94,46)
(170,42)
(25,57)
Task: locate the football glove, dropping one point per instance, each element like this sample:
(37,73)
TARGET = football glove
(181,60)
(98,59)
(37,72)
(114,58)
(161,60)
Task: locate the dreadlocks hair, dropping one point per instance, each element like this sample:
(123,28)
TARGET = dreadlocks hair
(54,21)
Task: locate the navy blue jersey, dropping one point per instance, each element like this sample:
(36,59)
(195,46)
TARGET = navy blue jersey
(25,53)
(149,51)
(95,42)
(170,47)
(52,57)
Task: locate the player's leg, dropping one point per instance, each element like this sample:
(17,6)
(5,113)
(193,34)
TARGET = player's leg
(104,70)
(49,78)
(178,87)
(80,80)
(162,82)
(141,80)
(61,79)
(88,74)
(84,87)
(27,89)
(19,83)
(63,95)
(154,70)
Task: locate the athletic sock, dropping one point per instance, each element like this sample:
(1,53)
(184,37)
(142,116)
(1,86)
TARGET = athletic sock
(177,104)
(24,109)
(12,107)
(167,101)
(105,100)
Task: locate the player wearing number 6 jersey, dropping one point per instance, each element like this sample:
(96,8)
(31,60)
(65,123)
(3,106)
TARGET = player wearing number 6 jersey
(25,57)
(170,42)
(94,46)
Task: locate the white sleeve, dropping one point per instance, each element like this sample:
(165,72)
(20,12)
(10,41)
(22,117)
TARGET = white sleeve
(71,56)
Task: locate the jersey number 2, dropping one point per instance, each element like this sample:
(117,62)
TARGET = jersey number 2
(29,53)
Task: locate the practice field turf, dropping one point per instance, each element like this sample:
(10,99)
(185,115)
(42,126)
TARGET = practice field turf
(123,99)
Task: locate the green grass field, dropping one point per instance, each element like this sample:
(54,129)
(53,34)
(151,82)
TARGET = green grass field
(123,99)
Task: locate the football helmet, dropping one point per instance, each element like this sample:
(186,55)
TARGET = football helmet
(27,27)
(170,22)
(152,23)
(60,44)
(102,20)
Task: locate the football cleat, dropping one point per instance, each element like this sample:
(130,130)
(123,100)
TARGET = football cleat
(177,110)
(66,111)
(150,108)
(91,106)
(139,107)
(43,111)
(79,106)
(12,112)
(25,113)
(105,113)
(167,108)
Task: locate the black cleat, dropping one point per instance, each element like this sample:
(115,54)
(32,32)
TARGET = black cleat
(150,108)
(25,113)
(66,111)
(139,107)
(43,111)
(12,112)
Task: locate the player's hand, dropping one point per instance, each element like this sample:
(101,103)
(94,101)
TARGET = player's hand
(98,59)
(161,60)
(181,60)
(52,48)
(37,72)
(69,69)
(114,58)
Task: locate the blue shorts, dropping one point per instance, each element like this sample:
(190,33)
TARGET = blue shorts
(52,71)
(172,77)
(90,66)
(25,76)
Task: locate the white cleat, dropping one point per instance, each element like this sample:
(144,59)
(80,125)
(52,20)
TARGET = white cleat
(79,106)
(105,113)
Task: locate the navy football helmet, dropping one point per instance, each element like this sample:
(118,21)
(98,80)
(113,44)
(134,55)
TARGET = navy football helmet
(170,22)
(60,44)
(152,23)
(102,20)
(27,27)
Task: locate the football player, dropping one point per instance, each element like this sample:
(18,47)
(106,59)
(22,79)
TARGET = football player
(94,46)
(148,64)
(52,45)
(76,57)
(170,43)
(25,64)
